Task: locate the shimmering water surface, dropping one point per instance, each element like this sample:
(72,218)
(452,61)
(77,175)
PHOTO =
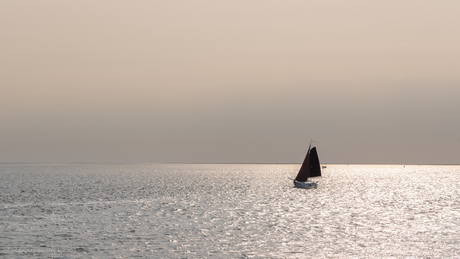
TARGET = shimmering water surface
(228,211)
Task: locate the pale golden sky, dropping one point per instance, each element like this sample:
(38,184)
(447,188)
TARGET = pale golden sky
(230,81)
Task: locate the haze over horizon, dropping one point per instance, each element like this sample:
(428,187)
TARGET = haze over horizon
(230,82)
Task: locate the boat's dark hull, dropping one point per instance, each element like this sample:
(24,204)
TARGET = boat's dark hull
(305,185)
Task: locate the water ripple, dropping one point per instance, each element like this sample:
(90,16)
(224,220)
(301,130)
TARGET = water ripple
(228,211)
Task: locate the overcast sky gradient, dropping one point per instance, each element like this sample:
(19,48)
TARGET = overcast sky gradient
(230,81)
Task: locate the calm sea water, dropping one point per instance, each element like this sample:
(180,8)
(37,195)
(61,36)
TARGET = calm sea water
(228,211)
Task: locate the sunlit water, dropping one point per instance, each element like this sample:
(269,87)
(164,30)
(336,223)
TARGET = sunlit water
(228,211)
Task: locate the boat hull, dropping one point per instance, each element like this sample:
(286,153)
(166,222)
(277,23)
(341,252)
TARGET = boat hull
(305,185)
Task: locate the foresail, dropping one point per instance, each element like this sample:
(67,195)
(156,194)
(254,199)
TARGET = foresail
(304,171)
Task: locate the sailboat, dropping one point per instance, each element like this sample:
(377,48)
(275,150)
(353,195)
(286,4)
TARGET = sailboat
(309,168)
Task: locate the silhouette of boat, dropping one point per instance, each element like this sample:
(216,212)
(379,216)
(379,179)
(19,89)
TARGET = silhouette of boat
(310,168)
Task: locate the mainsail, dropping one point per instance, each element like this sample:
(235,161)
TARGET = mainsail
(315,168)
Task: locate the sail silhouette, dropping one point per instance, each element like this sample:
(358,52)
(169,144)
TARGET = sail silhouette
(315,168)
(310,168)
(304,171)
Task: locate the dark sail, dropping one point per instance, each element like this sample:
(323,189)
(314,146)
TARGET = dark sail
(304,171)
(315,167)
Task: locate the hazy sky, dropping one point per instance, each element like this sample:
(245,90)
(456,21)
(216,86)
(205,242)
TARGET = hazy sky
(230,81)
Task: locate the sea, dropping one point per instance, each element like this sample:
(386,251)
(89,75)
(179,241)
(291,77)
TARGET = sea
(108,210)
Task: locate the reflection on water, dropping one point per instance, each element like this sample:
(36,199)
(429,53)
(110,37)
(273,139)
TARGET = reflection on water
(228,211)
